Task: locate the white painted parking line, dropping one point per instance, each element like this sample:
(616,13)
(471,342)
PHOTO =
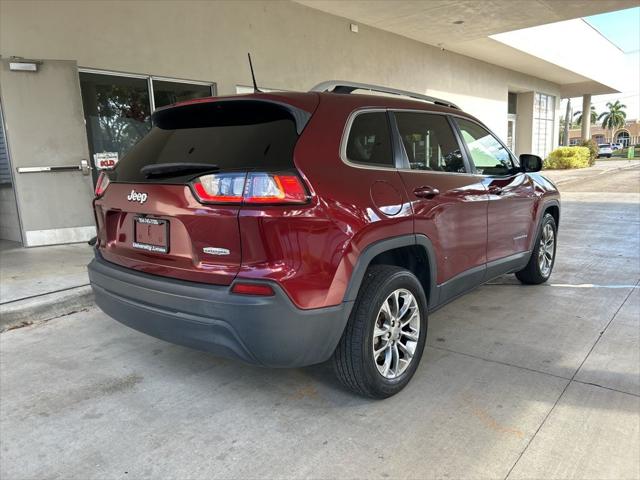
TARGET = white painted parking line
(566,285)
(590,285)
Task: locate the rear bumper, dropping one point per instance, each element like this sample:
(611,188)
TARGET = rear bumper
(268,331)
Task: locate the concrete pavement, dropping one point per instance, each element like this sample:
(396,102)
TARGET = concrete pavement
(38,284)
(30,272)
(516,382)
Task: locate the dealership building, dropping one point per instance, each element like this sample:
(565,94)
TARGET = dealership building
(79,80)
(624,135)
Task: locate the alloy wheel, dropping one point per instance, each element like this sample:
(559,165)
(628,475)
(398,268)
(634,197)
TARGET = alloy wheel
(546,250)
(396,333)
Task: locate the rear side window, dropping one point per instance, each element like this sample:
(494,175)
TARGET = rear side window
(369,140)
(241,135)
(429,142)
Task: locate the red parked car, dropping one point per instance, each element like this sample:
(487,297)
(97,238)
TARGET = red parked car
(286,229)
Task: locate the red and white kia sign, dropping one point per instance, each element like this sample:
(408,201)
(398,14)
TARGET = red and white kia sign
(105,160)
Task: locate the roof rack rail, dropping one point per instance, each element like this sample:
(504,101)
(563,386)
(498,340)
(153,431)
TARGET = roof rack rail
(343,86)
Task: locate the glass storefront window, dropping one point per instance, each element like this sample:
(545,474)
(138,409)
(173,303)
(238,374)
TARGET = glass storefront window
(166,92)
(543,117)
(117,109)
(512,103)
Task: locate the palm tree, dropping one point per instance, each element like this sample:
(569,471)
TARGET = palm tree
(614,118)
(594,116)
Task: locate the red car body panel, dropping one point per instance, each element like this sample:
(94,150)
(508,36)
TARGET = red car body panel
(192,226)
(455,220)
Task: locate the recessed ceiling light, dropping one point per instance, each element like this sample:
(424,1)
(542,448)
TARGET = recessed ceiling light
(458,22)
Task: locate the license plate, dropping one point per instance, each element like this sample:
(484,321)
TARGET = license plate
(151,234)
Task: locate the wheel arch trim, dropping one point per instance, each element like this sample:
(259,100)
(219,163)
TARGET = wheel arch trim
(543,207)
(376,248)
(546,205)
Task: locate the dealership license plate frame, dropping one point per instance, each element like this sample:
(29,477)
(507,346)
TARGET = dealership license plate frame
(141,220)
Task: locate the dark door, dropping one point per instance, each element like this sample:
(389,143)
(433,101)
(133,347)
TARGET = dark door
(511,193)
(449,202)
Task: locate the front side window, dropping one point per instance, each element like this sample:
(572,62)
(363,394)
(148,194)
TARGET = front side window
(429,142)
(369,140)
(487,153)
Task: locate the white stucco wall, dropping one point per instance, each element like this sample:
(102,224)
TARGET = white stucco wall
(293,47)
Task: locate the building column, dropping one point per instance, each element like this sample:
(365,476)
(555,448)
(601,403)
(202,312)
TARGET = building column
(586,117)
(567,124)
(524,123)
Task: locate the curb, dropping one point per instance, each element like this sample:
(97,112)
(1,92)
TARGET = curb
(44,307)
(588,177)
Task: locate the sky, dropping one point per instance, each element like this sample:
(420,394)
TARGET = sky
(622,28)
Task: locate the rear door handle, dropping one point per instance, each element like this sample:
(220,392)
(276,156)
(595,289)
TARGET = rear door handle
(426,192)
(495,190)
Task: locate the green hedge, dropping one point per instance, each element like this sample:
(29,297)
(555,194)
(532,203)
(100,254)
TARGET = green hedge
(568,157)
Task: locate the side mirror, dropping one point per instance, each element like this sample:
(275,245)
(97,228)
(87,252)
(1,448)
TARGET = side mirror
(530,163)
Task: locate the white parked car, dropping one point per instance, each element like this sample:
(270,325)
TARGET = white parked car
(605,150)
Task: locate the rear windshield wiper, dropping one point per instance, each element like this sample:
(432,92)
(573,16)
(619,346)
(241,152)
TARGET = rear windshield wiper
(176,169)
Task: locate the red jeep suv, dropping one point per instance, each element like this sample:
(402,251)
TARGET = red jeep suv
(285,229)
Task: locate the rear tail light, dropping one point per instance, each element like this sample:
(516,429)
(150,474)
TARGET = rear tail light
(252,289)
(101,184)
(274,188)
(250,188)
(220,188)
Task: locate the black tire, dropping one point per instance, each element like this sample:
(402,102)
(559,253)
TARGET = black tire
(532,273)
(353,358)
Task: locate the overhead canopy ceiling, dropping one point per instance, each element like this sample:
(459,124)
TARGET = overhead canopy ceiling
(464,26)
(432,21)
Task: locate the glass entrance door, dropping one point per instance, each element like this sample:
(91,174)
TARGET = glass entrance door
(117,114)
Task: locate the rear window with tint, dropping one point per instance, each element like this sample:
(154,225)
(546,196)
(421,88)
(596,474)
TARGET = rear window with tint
(369,140)
(232,135)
